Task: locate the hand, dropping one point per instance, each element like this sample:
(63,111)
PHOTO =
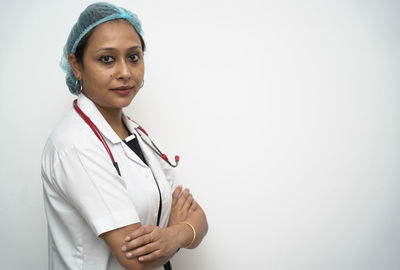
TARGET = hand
(150,242)
(183,205)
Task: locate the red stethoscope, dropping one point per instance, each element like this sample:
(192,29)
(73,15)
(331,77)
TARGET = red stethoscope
(139,130)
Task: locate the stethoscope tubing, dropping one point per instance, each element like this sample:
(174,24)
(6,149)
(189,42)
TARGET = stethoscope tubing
(139,130)
(153,146)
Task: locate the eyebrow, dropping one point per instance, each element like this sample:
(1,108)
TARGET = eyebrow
(113,49)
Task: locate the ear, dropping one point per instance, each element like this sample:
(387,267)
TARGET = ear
(75,66)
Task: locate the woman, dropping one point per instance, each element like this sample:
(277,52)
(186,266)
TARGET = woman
(108,193)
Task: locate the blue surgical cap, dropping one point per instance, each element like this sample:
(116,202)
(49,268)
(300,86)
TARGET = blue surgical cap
(92,16)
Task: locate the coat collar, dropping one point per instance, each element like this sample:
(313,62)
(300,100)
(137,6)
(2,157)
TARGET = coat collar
(90,109)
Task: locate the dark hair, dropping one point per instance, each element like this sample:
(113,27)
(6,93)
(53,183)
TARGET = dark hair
(80,49)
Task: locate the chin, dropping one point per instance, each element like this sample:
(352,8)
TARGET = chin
(123,102)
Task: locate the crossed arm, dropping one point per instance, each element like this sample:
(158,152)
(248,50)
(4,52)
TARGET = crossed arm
(146,247)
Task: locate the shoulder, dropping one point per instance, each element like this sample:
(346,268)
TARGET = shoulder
(70,133)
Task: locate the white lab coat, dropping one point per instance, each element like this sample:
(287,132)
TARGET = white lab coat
(85,197)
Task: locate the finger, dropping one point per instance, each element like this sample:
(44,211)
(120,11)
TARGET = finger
(182,198)
(138,242)
(193,207)
(149,244)
(150,257)
(139,232)
(143,240)
(143,250)
(188,202)
(175,194)
(136,233)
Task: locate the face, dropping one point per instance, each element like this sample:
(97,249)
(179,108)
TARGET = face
(113,66)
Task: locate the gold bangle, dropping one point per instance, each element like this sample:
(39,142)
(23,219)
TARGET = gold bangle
(194,232)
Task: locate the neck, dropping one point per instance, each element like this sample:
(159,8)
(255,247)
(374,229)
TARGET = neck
(114,119)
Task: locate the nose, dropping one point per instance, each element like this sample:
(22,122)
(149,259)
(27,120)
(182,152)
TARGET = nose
(123,72)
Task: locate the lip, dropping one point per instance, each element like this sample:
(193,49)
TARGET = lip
(124,87)
(122,90)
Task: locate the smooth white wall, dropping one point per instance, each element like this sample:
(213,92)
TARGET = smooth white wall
(285,114)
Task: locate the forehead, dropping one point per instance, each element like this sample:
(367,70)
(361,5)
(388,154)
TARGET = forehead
(115,33)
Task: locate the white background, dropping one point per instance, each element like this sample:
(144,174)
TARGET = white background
(285,114)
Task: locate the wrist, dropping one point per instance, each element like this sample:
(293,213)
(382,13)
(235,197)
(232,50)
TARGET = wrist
(193,233)
(183,233)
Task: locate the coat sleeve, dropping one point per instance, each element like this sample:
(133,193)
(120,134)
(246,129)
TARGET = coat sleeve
(91,185)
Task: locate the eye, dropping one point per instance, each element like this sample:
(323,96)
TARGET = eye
(106,59)
(134,58)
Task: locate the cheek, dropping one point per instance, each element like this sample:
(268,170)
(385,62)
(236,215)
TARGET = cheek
(100,76)
(139,72)
(97,79)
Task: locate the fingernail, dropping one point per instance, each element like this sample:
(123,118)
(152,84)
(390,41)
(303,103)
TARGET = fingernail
(128,254)
(124,248)
(127,238)
(140,259)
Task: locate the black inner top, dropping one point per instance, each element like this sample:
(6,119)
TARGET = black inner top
(134,145)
